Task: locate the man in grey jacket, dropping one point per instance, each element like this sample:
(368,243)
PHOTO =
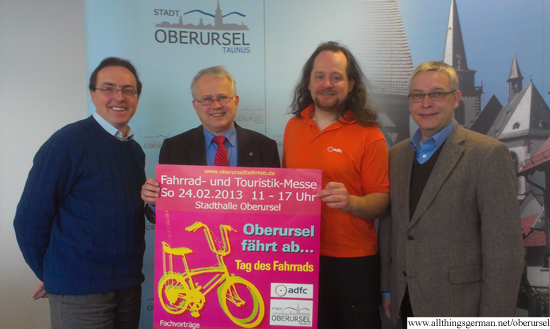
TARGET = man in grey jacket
(452,244)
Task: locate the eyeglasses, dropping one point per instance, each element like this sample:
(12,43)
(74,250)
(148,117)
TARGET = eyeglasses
(111,91)
(434,96)
(209,100)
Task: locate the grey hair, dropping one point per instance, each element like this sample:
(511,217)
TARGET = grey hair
(219,72)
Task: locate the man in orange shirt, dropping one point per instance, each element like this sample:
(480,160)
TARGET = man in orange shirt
(335,129)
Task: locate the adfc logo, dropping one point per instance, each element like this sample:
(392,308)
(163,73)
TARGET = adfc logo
(289,290)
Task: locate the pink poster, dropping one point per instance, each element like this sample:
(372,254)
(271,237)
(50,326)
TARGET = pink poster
(236,247)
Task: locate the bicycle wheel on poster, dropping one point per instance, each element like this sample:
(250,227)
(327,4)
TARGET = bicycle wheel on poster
(172,292)
(242,302)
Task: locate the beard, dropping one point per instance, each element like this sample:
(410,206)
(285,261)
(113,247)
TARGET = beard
(326,105)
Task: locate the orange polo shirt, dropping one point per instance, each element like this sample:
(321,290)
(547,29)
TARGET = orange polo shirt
(348,153)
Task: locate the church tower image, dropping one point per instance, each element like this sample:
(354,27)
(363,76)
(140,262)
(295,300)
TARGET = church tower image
(515,79)
(218,19)
(523,124)
(454,55)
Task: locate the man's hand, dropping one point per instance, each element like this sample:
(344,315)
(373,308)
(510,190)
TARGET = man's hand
(368,206)
(39,292)
(335,195)
(386,306)
(150,191)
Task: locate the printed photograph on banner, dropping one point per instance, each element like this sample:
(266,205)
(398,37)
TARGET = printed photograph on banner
(231,242)
(498,49)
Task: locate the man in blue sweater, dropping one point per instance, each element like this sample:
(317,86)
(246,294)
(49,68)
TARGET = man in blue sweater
(80,222)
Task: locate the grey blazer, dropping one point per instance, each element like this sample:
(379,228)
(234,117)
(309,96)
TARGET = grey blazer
(461,253)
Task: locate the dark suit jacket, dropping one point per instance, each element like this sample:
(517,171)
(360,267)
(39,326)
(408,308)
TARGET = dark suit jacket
(461,253)
(188,148)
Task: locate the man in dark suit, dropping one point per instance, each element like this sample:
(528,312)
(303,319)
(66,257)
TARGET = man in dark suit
(215,100)
(452,244)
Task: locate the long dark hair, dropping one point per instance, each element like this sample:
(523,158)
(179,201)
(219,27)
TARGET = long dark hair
(357,102)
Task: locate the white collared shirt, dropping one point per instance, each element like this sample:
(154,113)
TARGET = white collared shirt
(112,130)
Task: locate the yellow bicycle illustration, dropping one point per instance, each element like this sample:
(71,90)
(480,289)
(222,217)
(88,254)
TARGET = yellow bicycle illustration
(178,292)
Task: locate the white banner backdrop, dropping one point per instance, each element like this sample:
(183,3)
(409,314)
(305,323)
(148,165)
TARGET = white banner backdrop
(264,44)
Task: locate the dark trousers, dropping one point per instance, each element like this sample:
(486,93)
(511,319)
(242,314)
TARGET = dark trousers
(111,310)
(406,308)
(349,292)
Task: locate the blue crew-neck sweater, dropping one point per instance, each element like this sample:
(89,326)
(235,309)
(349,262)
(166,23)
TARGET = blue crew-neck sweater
(80,222)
